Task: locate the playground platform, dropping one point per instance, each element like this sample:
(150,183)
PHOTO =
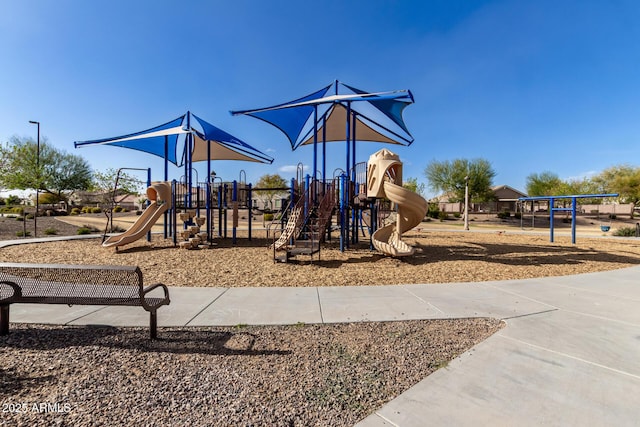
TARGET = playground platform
(567,356)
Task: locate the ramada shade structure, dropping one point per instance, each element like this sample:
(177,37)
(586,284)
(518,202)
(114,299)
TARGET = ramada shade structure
(180,143)
(328,115)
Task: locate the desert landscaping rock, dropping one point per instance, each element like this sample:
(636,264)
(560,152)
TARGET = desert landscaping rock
(330,375)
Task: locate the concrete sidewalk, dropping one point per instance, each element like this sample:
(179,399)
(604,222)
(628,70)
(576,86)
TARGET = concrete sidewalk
(569,354)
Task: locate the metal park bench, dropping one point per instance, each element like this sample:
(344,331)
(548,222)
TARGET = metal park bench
(77,285)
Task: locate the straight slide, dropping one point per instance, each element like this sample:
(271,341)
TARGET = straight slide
(160,196)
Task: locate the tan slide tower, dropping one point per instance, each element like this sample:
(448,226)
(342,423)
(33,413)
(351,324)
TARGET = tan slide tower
(384,179)
(159,194)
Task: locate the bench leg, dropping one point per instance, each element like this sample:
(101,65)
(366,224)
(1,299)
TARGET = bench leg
(4,319)
(153,324)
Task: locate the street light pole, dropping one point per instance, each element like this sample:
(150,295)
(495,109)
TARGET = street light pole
(35,217)
(466,203)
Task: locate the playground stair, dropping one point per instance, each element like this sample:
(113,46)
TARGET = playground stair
(306,240)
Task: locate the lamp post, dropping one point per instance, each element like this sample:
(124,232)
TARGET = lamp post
(466,203)
(35,217)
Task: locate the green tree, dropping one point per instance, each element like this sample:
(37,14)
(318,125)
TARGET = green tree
(270,186)
(59,173)
(110,194)
(621,179)
(4,160)
(450,177)
(544,184)
(413,185)
(104,184)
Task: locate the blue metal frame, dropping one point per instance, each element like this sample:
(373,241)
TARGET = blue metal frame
(572,209)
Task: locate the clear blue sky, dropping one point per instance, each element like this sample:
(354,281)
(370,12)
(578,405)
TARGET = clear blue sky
(531,86)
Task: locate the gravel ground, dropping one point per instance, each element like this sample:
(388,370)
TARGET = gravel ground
(329,375)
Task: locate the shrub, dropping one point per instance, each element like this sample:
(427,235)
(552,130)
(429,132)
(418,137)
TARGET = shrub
(87,229)
(86,209)
(457,215)
(442,215)
(23,233)
(517,215)
(12,199)
(138,212)
(50,231)
(503,215)
(433,211)
(30,216)
(117,208)
(75,211)
(268,217)
(625,232)
(18,210)
(96,210)
(19,218)
(612,216)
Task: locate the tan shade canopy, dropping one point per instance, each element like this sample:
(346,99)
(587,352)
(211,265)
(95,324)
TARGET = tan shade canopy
(335,129)
(218,152)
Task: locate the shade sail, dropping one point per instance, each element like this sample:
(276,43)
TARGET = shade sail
(292,122)
(334,129)
(161,140)
(378,116)
(169,141)
(215,144)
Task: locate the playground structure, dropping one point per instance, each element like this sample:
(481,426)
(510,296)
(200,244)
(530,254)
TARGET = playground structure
(190,217)
(315,119)
(573,209)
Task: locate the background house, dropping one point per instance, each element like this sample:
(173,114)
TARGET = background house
(505,199)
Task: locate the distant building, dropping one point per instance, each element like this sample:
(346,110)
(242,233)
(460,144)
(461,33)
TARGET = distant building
(93,198)
(505,199)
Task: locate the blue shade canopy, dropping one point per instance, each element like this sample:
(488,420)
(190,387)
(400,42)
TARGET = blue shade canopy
(292,122)
(169,142)
(215,144)
(150,141)
(378,116)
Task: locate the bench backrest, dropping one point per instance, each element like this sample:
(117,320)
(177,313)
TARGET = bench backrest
(53,280)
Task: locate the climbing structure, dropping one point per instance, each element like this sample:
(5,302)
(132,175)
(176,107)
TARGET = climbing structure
(384,180)
(306,225)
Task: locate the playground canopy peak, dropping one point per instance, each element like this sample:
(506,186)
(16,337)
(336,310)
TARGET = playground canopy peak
(169,141)
(377,115)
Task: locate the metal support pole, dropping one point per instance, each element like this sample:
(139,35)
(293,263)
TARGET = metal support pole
(551,211)
(234,212)
(250,207)
(343,215)
(149,185)
(220,210)
(466,203)
(573,220)
(35,217)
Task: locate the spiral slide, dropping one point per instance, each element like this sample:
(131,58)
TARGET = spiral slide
(411,210)
(384,176)
(159,194)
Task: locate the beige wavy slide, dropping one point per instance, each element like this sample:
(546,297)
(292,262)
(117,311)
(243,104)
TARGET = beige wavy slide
(159,194)
(384,174)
